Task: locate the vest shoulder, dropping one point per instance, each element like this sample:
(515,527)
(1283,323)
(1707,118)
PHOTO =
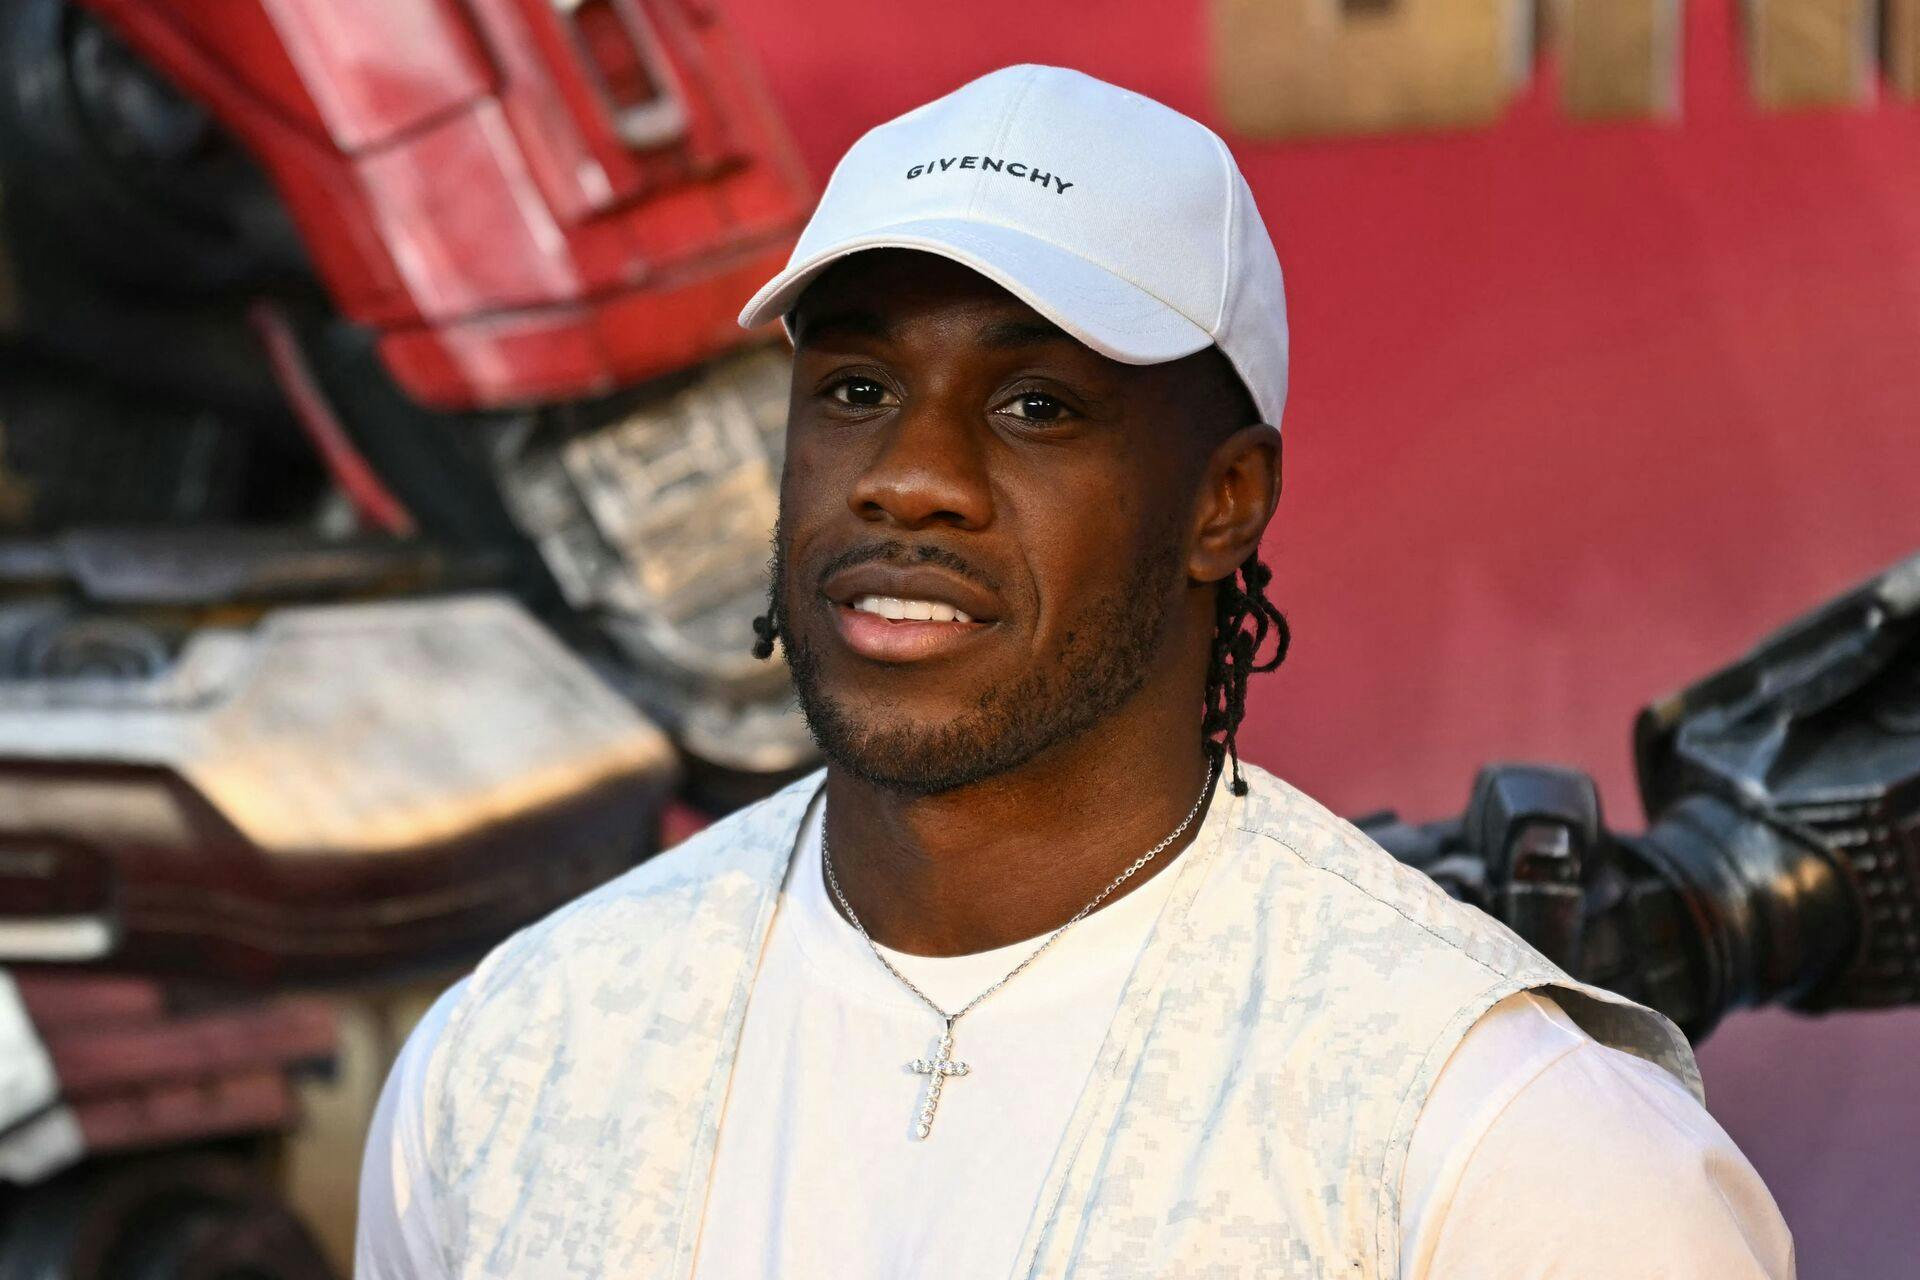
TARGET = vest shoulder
(628,992)
(694,898)
(1414,935)
(1278,820)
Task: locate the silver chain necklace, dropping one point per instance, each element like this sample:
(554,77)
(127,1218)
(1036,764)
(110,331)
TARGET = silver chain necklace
(943,1064)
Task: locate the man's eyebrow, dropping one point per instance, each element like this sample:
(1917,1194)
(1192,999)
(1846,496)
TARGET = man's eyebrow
(858,324)
(1022,333)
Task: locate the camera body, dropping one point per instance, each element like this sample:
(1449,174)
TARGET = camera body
(1782,860)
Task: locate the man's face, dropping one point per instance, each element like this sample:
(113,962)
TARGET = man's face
(983,524)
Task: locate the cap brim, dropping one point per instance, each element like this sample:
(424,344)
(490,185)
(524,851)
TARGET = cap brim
(1115,317)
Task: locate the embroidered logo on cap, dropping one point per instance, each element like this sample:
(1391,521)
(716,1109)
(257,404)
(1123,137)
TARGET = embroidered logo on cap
(1013,168)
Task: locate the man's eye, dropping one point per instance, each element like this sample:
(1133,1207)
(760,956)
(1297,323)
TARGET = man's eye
(1034,407)
(862,393)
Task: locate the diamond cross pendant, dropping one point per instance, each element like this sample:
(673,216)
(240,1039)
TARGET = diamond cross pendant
(936,1069)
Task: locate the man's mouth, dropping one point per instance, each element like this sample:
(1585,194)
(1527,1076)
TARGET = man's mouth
(893,613)
(897,629)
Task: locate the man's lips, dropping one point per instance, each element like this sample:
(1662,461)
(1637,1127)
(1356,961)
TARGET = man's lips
(901,639)
(864,595)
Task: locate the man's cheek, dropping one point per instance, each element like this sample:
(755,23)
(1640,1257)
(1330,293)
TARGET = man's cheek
(799,480)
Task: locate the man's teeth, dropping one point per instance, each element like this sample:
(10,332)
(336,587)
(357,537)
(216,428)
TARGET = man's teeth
(911,610)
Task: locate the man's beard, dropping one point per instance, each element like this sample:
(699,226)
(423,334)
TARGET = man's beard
(1107,656)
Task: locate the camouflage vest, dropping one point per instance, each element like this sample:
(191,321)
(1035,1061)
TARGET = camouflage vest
(1249,1111)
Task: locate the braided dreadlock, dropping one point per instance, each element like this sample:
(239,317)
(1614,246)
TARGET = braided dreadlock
(766,627)
(1243,619)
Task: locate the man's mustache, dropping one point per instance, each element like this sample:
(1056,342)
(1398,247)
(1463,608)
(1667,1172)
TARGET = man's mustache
(894,551)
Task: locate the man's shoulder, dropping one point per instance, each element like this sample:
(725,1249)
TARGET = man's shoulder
(696,897)
(1659,1188)
(1358,902)
(629,993)
(1293,841)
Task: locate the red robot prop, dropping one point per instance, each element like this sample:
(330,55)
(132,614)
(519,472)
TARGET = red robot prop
(528,202)
(364,365)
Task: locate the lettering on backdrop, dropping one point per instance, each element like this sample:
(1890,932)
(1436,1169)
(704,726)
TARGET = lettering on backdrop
(1308,68)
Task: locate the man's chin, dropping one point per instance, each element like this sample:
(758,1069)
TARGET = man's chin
(919,761)
(930,749)
(925,759)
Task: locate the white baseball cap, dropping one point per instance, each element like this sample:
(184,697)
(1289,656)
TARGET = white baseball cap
(1119,219)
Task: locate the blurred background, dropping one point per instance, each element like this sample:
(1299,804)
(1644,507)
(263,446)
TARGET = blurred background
(385,492)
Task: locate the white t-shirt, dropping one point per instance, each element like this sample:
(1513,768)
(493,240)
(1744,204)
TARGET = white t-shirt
(1539,1151)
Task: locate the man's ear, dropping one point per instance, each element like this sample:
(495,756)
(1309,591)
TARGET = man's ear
(1238,494)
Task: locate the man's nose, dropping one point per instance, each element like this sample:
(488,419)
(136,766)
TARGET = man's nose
(928,468)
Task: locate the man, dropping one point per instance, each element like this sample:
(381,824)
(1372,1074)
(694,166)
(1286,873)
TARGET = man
(1038,979)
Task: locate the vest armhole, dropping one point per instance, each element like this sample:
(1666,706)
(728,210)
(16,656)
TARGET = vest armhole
(1407,1114)
(1631,1028)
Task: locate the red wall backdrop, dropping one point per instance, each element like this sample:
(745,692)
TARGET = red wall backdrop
(1579,412)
